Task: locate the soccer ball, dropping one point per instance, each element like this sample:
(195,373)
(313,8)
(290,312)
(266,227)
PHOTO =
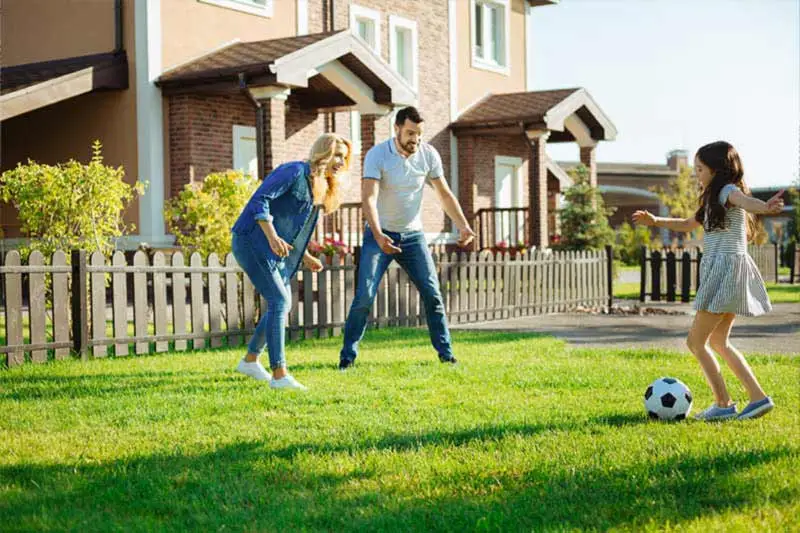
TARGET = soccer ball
(667,399)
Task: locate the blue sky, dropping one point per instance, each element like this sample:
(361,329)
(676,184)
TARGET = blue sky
(681,73)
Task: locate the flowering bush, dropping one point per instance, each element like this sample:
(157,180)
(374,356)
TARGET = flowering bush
(504,247)
(329,247)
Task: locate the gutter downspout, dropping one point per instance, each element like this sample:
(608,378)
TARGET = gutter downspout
(117,26)
(259,124)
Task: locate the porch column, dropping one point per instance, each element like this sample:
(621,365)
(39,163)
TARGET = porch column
(589,159)
(537,189)
(271,124)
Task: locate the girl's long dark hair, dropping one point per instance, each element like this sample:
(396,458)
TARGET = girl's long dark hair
(723,159)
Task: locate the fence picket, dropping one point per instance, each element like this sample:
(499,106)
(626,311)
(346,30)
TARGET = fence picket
(97,286)
(37,307)
(14,310)
(60,304)
(160,300)
(140,318)
(232,321)
(197,302)
(179,301)
(119,304)
(214,301)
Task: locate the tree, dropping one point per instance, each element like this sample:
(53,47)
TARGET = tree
(70,205)
(584,218)
(680,196)
(630,242)
(202,215)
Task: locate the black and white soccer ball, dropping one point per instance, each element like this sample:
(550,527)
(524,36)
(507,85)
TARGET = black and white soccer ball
(667,399)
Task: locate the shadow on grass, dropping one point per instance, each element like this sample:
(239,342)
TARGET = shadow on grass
(249,486)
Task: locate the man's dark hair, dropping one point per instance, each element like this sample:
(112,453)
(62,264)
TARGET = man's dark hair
(409,113)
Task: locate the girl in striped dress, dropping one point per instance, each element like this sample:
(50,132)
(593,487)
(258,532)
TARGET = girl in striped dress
(730,283)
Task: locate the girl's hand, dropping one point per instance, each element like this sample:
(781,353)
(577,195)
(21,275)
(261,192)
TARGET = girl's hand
(775,204)
(644,218)
(312,263)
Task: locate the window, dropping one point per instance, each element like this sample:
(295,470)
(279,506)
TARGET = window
(403,48)
(245,153)
(254,7)
(366,23)
(490,35)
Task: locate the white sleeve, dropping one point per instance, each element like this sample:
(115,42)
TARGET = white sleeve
(725,192)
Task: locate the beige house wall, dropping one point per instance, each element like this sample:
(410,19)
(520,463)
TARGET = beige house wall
(191,28)
(474,83)
(42,30)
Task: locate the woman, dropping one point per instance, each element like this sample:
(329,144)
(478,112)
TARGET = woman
(270,239)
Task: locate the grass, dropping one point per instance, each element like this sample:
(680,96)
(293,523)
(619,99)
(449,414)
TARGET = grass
(778,292)
(524,434)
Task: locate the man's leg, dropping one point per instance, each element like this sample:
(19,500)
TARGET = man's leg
(417,261)
(371,266)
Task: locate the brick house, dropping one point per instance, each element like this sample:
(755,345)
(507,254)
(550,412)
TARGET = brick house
(176,89)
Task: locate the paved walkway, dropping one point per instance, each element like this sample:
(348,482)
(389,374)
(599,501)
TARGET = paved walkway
(778,332)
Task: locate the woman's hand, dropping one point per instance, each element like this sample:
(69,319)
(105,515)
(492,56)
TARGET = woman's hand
(312,263)
(280,247)
(644,218)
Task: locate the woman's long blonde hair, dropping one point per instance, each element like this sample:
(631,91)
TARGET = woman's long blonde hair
(325,187)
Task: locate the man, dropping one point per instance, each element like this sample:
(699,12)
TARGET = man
(395,173)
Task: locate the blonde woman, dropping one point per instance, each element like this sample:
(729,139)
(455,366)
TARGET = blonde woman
(270,239)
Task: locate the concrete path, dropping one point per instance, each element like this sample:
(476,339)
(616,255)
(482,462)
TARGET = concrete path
(778,332)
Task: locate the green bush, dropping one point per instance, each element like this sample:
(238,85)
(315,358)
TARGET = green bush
(202,215)
(630,241)
(69,205)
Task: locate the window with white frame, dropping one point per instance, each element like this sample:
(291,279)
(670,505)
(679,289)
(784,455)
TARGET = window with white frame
(366,23)
(403,48)
(254,7)
(490,22)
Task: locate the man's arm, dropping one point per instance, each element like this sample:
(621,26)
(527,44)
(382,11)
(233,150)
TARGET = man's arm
(453,209)
(369,204)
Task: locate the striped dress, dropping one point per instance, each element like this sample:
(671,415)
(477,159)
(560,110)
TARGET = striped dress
(729,278)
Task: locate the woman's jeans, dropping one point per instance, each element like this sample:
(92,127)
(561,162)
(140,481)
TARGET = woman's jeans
(271,283)
(416,260)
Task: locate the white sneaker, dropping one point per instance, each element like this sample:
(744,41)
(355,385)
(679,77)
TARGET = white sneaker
(287,382)
(254,370)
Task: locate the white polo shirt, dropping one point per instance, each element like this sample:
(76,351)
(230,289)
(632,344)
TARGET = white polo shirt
(401,183)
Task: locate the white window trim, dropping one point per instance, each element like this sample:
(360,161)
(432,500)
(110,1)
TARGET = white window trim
(357,12)
(239,132)
(243,6)
(483,64)
(355,131)
(411,25)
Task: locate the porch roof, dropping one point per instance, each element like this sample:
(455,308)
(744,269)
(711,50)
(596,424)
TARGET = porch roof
(332,69)
(569,115)
(31,86)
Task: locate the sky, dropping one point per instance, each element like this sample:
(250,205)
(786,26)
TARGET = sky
(681,73)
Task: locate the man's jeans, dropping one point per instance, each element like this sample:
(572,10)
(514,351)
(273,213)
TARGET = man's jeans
(416,260)
(271,283)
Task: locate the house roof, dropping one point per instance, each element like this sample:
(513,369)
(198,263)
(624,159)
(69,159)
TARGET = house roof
(33,85)
(325,67)
(551,110)
(628,169)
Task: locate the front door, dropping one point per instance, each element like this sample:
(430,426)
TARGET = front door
(509,227)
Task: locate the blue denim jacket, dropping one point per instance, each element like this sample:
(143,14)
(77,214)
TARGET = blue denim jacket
(283,198)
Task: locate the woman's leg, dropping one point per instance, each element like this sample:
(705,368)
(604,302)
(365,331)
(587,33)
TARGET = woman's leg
(720,343)
(702,327)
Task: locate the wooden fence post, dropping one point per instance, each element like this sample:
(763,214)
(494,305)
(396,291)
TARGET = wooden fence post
(686,276)
(671,276)
(643,273)
(80,308)
(655,268)
(610,274)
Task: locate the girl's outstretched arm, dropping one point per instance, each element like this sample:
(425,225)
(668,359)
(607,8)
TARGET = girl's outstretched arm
(753,205)
(646,218)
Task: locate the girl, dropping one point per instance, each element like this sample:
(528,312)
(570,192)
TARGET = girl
(270,238)
(730,283)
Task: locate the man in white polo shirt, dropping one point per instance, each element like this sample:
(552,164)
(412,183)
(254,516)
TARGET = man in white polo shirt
(395,173)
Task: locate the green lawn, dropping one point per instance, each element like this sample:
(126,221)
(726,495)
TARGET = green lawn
(524,434)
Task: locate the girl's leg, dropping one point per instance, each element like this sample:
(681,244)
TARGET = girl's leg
(702,327)
(720,343)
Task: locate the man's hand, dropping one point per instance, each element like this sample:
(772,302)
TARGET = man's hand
(465,237)
(312,263)
(386,244)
